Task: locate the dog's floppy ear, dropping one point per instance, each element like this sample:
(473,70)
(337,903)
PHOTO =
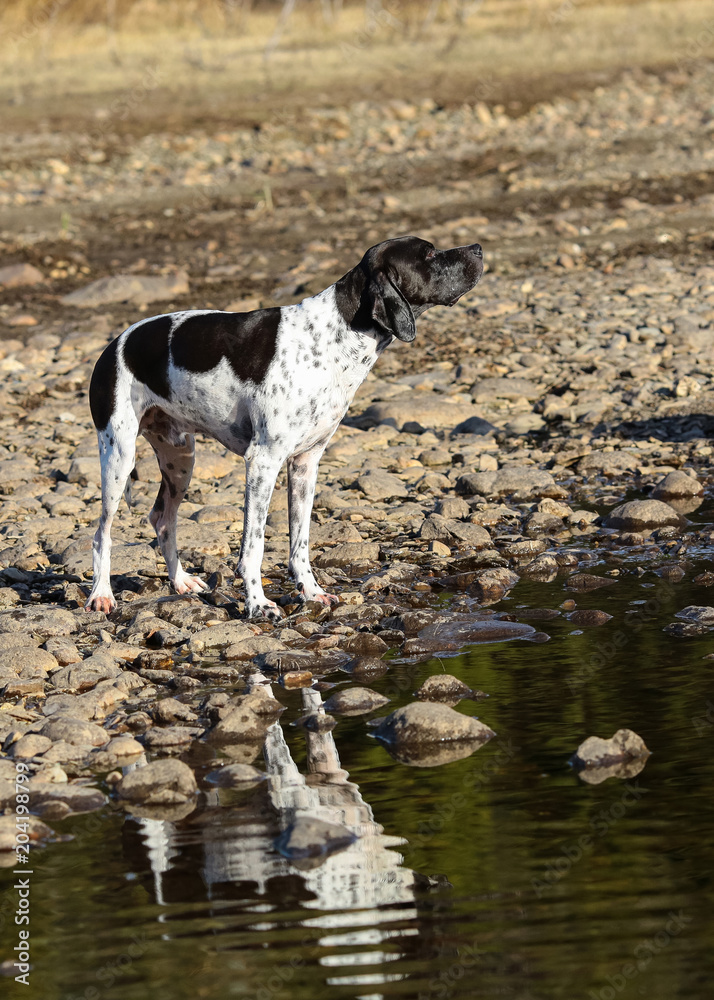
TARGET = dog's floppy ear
(390,310)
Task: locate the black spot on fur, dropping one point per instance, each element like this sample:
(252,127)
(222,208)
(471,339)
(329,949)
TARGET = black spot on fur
(146,354)
(247,340)
(103,387)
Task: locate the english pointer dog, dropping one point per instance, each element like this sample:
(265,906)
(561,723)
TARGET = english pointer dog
(271,385)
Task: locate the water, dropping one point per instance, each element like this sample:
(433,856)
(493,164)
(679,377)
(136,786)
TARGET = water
(500,875)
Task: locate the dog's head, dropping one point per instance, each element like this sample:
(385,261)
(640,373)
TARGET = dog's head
(397,280)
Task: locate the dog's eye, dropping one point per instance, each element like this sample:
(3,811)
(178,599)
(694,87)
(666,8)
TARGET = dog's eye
(431,253)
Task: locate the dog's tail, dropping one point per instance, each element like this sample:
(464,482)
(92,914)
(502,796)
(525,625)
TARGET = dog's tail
(127,489)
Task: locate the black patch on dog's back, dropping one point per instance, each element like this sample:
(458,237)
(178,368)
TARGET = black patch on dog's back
(247,340)
(146,354)
(103,386)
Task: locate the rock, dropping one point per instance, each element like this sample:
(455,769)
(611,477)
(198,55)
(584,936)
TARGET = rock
(642,515)
(504,388)
(309,839)
(586,617)
(134,288)
(43,621)
(475,425)
(492,585)
(429,409)
(429,722)
(447,689)
(355,701)
(76,732)
(365,668)
(377,484)
(524,480)
(366,644)
(128,558)
(349,554)
(236,776)
(172,710)
(55,801)
(256,646)
(677,484)
(30,745)
(219,637)
(247,717)
(316,722)
(612,463)
(454,632)
(170,736)
(162,782)
(124,746)
(25,663)
(622,747)
(17,275)
(38,832)
(584,582)
(86,675)
(701,615)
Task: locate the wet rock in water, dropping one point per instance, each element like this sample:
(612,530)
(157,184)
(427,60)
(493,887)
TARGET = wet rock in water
(167,737)
(537,614)
(447,689)
(492,585)
(693,613)
(686,630)
(236,776)
(366,644)
(163,782)
(623,747)
(247,717)
(584,582)
(430,722)
(705,579)
(316,722)
(309,840)
(677,484)
(642,515)
(457,631)
(172,710)
(38,832)
(587,617)
(366,668)
(55,801)
(134,288)
(355,701)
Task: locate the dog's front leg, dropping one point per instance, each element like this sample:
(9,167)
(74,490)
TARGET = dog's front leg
(302,476)
(262,469)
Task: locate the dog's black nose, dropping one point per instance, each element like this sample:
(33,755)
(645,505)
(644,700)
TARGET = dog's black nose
(475,248)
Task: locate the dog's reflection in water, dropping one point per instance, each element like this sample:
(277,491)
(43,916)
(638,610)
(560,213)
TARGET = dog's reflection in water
(358,887)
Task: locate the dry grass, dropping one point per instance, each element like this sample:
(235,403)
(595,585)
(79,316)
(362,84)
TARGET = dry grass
(199,52)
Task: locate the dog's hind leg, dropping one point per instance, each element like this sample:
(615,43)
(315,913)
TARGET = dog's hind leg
(175,455)
(117,446)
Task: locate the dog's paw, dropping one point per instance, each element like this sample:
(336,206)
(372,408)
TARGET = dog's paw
(327,599)
(185,584)
(101,603)
(316,593)
(265,610)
